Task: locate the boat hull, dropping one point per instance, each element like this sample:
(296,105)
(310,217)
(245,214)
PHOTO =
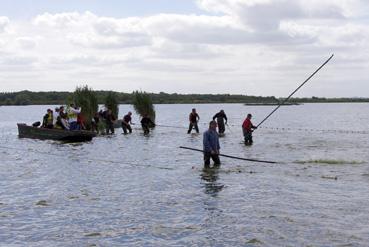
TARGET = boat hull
(26,131)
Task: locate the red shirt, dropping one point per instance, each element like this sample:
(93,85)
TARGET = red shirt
(80,119)
(247,125)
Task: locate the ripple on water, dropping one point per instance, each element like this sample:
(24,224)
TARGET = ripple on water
(135,190)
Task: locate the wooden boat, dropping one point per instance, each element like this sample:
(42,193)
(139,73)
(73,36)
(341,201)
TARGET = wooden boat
(26,131)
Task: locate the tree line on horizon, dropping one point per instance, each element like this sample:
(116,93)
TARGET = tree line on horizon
(59,98)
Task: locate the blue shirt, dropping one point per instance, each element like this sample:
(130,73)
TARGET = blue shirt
(211,141)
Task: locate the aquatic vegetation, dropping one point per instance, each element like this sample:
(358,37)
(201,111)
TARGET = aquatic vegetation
(85,98)
(330,177)
(42,203)
(329,162)
(254,241)
(111,102)
(93,234)
(143,105)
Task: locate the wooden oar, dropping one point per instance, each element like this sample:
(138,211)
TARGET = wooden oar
(286,99)
(232,157)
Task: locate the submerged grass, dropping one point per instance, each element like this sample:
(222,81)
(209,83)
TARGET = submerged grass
(330,162)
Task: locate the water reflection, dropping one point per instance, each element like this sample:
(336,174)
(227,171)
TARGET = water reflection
(214,213)
(210,176)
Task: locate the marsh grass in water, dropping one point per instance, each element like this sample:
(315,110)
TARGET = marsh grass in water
(42,203)
(85,98)
(143,105)
(111,102)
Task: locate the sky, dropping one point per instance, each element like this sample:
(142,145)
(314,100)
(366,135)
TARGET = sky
(251,47)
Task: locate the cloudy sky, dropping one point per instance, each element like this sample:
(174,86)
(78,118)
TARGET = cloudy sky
(254,47)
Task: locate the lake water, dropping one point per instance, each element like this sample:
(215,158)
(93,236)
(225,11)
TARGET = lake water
(136,190)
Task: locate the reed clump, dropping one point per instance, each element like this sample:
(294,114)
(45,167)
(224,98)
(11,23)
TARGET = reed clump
(111,102)
(143,105)
(85,98)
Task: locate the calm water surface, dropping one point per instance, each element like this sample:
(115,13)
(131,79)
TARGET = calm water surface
(135,190)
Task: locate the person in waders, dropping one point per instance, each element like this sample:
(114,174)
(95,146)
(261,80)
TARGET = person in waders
(247,129)
(193,118)
(220,117)
(109,121)
(211,145)
(146,124)
(126,123)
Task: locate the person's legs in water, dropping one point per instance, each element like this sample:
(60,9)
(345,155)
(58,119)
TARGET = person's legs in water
(248,138)
(190,127)
(221,128)
(129,128)
(109,128)
(207,159)
(124,127)
(145,129)
(215,158)
(196,127)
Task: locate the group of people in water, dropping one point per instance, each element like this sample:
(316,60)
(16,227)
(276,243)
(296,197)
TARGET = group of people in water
(72,119)
(211,144)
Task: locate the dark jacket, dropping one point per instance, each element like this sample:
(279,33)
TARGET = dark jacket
(220,116)
(146,121)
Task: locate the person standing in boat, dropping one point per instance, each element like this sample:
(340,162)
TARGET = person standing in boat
(211,145)
(72,113)
(63,119)
(220,117)
(193,118)
(126,123)
(55,116)
(247,129)
(146,123)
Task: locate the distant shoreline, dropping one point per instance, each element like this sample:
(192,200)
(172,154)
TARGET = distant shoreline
(271,104)
(59,98)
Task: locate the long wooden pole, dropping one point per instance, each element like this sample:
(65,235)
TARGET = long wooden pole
(232,157)
(285,100)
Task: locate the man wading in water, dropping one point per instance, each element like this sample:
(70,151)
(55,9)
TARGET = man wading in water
(211,145)
(127,120)
(146,124)
(247,128)
(221,116)
(193,118)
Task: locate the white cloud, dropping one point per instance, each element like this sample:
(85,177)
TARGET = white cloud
(261,47)
(64,20)
(4,22)
(26,42)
